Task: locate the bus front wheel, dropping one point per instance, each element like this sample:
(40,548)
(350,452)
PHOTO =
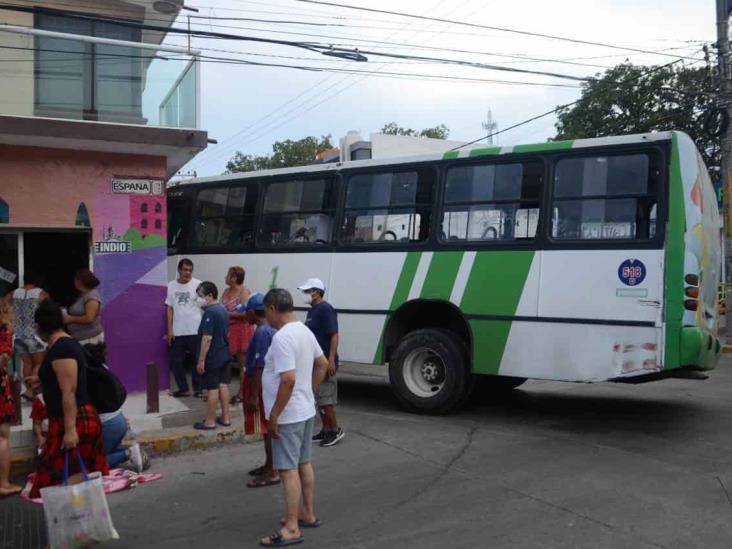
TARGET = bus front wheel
(428,371)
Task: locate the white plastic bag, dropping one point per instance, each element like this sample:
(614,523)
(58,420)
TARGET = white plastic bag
(77,515)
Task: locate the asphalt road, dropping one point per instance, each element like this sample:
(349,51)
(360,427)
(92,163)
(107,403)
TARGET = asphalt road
(550,465)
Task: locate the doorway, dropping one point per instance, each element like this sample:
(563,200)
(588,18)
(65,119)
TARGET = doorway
(54,257)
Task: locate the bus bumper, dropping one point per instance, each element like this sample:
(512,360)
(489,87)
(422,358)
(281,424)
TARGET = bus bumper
(699,349)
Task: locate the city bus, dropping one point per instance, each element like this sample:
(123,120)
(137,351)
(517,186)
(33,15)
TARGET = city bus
(585,261)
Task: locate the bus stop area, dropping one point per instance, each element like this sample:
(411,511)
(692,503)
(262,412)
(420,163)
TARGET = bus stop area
(547,465)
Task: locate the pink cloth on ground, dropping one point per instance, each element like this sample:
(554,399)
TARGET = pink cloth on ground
(116,481)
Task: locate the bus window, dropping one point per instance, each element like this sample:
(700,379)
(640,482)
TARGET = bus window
(388,207)
(492,202)
(177,217)
(296,213)
(224,217)
(605,198)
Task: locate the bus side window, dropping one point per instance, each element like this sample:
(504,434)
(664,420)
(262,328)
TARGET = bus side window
(224,217)
(492,202)
(388,207)
(297,212)
(605,198)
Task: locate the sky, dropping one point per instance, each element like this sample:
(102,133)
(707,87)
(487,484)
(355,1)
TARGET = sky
(247,108)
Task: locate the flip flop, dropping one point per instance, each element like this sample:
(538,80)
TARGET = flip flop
(262,482)
(201,426)
(276,540)
(258,471)
(221,422)
(302,524)
(11,493)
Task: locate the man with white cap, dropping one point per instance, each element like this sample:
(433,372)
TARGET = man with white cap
(322,320)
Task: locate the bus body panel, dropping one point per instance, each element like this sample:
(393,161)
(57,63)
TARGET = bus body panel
(547,313)
(693,247)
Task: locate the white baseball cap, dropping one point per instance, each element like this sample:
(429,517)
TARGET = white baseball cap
(312,284)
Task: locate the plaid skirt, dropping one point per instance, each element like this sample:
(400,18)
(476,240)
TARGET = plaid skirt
(7,406)
(91,448)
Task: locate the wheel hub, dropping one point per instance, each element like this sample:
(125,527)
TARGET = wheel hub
(424,372)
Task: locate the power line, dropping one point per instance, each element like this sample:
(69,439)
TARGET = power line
(320,100)
(481,26)
(560,107)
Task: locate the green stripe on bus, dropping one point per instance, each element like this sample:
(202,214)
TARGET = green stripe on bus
(485,150)
(542,147)
(494,287)
(450,155)
(401,293)
(674,283)
(441,275)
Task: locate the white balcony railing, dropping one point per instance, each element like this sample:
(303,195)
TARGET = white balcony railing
(60,75)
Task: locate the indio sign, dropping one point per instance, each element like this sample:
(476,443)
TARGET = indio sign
(137,186)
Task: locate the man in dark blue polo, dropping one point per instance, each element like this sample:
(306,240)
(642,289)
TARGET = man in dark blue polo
(322,320)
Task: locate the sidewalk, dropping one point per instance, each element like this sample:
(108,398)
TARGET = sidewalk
(167,432)
(171,430)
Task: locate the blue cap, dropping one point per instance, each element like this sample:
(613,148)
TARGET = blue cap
(256,302)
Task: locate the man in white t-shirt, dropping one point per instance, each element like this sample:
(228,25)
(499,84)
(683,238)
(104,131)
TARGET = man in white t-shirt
(293,368)
(184,318)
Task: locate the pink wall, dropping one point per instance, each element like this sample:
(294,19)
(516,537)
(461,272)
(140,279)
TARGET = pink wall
(44,188)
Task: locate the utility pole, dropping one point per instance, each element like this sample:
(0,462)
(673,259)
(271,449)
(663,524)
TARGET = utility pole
(725,86)
(490,126)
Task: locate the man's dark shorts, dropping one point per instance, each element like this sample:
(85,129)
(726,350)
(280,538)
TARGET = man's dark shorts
(213,377)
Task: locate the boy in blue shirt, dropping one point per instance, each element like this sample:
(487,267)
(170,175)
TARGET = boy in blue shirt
(214,355)
(254,417)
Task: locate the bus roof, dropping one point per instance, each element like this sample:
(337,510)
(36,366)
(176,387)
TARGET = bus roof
(461,153)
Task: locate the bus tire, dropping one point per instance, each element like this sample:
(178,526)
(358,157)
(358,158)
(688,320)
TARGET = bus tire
(428,372)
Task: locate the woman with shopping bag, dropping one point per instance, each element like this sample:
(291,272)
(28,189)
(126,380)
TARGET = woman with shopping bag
(77,515)
(73,423)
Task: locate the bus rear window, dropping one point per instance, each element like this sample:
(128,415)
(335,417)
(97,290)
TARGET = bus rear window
(605,198)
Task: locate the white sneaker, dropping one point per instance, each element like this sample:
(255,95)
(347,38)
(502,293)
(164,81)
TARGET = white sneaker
(136,456)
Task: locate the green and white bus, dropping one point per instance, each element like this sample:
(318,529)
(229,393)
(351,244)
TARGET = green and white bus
(589,260)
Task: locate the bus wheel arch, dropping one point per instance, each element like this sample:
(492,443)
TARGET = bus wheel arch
(428,349)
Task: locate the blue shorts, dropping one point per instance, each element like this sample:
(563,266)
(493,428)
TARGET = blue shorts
(213,377)
(29,346)
(295,445)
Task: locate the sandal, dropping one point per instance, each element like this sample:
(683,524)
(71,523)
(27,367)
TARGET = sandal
(14,491)
(235,400)
(262,482)
(201,426)
(221,422)
(276,540)
(257,471)
(303,524)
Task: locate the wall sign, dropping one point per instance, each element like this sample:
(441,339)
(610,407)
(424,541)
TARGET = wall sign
(152,187)
(632,272)
(7,276)
(112,247)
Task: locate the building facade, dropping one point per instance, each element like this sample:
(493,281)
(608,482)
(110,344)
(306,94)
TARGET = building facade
(94,119)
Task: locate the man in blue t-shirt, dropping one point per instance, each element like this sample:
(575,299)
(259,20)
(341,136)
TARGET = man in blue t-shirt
(322,320)
(214,355)
(255,420)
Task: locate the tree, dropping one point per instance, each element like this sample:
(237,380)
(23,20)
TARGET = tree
(285,154)
(438,132)
(636,99)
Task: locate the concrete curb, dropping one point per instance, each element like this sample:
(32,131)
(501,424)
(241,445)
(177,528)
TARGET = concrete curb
(160,444)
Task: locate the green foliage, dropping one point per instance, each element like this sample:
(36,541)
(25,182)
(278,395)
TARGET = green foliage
(438,132)
(630,99)
(285,154)
(140,242)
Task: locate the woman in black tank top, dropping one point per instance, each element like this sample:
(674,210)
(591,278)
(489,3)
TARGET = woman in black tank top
(73,423)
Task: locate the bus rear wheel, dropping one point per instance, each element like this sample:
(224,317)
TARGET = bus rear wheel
(428,371)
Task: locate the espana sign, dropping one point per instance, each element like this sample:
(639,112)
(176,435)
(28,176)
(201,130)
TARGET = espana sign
(137,186)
